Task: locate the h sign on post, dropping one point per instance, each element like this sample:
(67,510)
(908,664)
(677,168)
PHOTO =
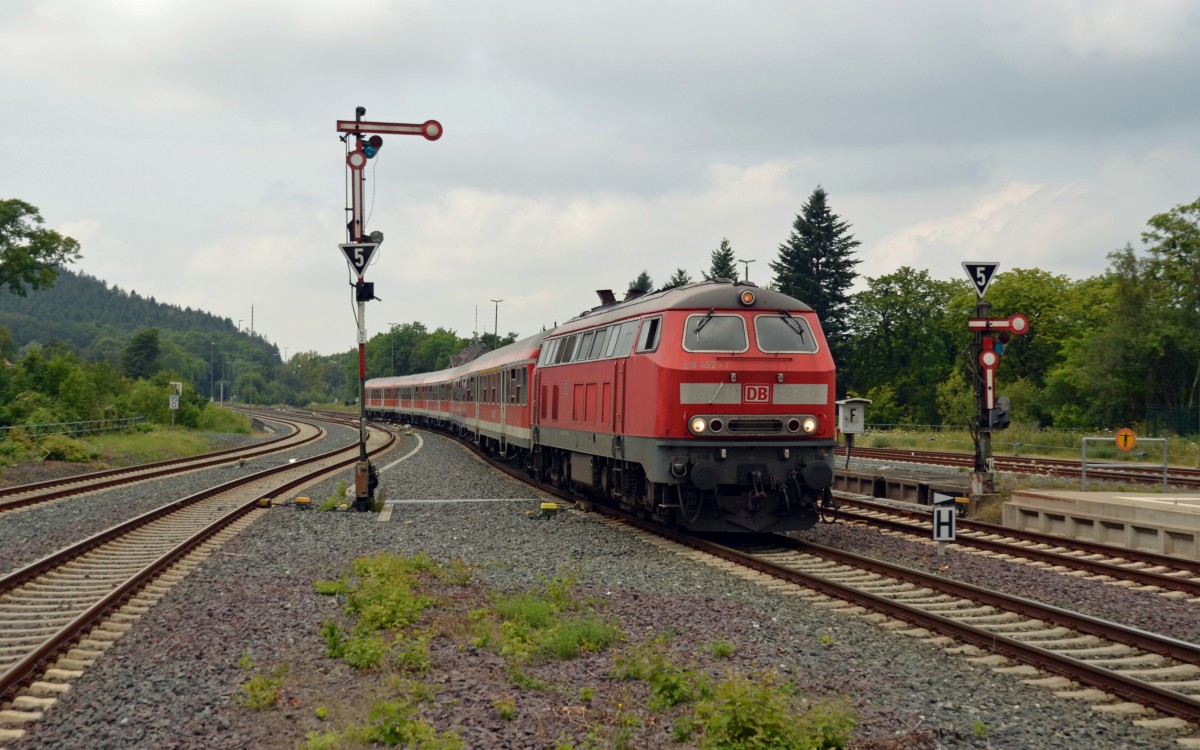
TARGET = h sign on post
(943,522)
(945,513)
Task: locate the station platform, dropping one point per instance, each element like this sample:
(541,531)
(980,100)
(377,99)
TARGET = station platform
(1167,524)
(904,484)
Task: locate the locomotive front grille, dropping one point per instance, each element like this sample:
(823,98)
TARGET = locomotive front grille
(755,426)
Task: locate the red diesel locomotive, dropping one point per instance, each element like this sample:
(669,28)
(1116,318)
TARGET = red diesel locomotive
(709,406)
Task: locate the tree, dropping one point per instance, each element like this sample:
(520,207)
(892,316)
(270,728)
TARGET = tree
(8,345)
(30,254)
(140,358)
(723,265)
(680,278)
(902,339)
(816,266)
(643,283)
(1174,240)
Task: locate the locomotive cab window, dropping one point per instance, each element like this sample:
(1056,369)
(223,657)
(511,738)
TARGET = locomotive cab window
(715,333)
(784,333)
(648,340)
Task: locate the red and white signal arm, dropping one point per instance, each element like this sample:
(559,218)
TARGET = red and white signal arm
(1017,323)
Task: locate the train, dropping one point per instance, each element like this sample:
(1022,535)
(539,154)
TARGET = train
(709,407)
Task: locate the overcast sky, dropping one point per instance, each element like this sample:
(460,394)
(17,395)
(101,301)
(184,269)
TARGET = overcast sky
(191,147)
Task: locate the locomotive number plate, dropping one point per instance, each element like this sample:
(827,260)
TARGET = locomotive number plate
(756,394)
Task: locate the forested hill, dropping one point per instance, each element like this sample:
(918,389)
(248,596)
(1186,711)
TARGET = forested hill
(85,312)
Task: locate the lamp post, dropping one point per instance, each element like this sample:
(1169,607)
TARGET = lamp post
(212,369)
(746,274)
(496,322)
(392,342)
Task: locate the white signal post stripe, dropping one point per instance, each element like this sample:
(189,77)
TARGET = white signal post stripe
(990,360)
(356,199)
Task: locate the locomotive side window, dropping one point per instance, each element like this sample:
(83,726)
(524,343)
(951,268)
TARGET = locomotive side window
(648,340)
(585,346)
(598,344)
(715,333)
(784,333)
(566,348)
(549,351)
(621,341)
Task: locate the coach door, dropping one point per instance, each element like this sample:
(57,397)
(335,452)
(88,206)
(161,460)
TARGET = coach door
(619,397)
(503,374)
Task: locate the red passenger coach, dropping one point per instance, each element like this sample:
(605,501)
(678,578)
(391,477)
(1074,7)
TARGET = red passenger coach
(709,406)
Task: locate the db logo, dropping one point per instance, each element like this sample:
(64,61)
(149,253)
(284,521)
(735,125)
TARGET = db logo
(756,394)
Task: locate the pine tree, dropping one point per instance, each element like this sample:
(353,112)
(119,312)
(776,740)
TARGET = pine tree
(724,266)
(816,266)
(680,278)
(643,283)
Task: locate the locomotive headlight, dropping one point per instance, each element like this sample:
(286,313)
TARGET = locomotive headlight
(809,425)
(698,425)
(746,297)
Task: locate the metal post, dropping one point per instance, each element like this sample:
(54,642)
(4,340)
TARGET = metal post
(212,369)
(496,323)
(982,479)
(746,273)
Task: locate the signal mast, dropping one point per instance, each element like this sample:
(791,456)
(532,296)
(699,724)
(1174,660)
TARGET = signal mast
(360,252)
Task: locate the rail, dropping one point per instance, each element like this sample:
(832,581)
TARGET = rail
(1124,464)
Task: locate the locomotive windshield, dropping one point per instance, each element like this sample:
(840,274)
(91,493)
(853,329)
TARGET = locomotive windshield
(715,333)
(784,333)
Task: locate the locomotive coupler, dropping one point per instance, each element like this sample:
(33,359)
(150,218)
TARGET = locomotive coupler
(757,492)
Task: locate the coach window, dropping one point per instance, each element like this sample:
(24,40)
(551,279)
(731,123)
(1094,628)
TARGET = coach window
(648,340)
(715,333)
(598,344)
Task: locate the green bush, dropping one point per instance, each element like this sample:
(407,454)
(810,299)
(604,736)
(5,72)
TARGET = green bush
(63,448)
(262,690)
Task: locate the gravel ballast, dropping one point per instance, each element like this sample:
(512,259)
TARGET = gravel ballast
(173,681)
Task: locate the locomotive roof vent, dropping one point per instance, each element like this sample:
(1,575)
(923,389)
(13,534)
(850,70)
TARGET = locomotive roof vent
(633,294)
(606,296)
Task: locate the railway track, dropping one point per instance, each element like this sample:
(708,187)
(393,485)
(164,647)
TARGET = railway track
(1052,647)
(1171,575)
(996,629)
(1177,476)
(23,496)
(58,614)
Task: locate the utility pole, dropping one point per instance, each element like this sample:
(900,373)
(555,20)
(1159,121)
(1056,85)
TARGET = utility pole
(359,251)
(496,322)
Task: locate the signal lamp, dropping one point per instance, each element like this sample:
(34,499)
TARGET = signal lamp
(746,297)
(371,146)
